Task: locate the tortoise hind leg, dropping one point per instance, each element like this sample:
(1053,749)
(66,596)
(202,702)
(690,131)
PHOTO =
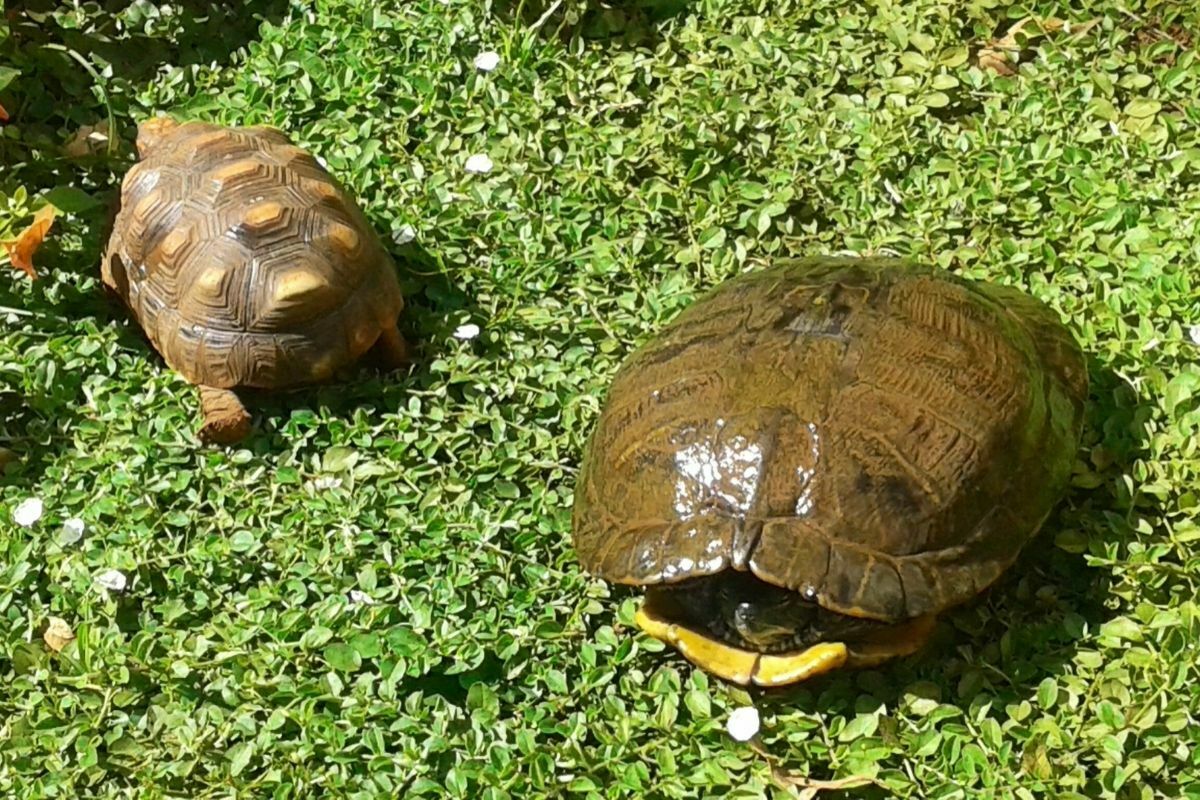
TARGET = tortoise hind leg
(225,418)
(391,349)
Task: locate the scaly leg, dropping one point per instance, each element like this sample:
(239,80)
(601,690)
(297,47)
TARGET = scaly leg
(393,351)
(225,418)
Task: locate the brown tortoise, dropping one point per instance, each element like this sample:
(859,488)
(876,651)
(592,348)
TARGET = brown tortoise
(247,265)
(807,466)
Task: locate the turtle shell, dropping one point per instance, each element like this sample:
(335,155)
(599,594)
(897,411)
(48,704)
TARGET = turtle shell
(244,260)
(879,436)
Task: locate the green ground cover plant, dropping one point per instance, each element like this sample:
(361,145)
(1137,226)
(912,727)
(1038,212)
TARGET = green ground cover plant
(375,595)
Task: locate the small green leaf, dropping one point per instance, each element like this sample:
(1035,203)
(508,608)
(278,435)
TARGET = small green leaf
(242,541)
(1047,693)
(343,657)
(1110,716)
(861,726)
(712,238)
(239,757)
(367,645)
(1180,389)
(339,459)
(1141,107)
(70,200)
(752,190)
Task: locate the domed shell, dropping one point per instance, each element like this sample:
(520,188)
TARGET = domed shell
(879,436)
(245,262)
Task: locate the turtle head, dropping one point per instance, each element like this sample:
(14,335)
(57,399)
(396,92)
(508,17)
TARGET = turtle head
(151,132)
(746,630)
(742,611)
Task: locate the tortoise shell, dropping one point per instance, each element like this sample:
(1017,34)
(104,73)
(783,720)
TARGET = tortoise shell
(879,437)
(244,260)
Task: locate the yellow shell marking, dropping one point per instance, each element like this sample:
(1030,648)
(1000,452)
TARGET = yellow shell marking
(173,242)
(146,205)
(323,190)
(210,280)
(237,169)
(262,214)
(344,237)
(742,666)
(199,140)
(298,283)
(782,670)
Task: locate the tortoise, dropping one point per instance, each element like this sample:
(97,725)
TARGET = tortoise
(247,265)
(808,465)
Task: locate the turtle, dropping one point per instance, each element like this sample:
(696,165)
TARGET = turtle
(809,464)
(247,265)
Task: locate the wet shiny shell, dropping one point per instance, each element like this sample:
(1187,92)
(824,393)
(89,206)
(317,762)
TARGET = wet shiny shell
(880,437)
(245,262)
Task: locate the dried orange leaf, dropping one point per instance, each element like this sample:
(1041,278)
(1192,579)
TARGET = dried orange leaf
(58,634)
(994,61)
(21,249)
(994,55)
(809,788)
(87,141)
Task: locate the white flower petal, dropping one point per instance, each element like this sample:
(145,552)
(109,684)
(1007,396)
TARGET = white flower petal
(743,723)
(111,579)
(1194,334)
(28,511)
(479,164)
(468,331)
(487,61)
(361,598)
(325,482)
(404,235)
(72,531)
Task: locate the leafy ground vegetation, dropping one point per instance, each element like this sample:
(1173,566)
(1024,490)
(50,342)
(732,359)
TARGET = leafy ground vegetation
(375,596)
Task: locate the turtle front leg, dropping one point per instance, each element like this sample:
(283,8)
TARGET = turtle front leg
(392,350)
(226,420)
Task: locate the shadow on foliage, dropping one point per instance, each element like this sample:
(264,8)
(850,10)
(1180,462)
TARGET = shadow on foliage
(77,68)
(84,66)
(623,23)
(42,405)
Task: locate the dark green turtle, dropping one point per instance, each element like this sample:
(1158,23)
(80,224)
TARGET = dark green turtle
(808,465)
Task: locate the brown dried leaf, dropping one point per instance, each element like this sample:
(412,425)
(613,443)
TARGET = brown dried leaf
(58,634)
(21,249)
(809,788)
(87,141)
(994,55)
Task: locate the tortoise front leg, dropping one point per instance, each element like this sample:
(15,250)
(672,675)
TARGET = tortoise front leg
(393,351)
(225,418)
